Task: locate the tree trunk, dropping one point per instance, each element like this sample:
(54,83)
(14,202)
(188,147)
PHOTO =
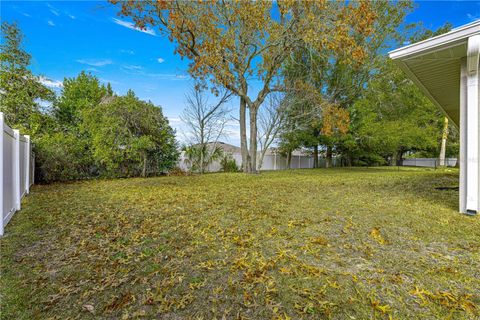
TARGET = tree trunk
(289,159)
(393,159)
(398,157)
(243,137)
(144,170)
(349,160)
(262,156)
(253,139)
(202,150)
(444,143)
(315,156)
(328,159)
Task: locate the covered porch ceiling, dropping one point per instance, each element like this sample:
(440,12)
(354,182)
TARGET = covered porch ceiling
(434,65)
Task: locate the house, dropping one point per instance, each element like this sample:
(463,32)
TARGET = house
(446,69)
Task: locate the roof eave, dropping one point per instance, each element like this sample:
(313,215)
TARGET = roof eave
(452,38)
(425,91)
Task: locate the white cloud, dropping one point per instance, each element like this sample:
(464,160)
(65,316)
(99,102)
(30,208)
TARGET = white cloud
(50,23)
(109,81)
(26,15)
(160,60)
(171,76)
(95,62)
(71,16)
(174,120)
(127,51)
(473,17)
(132,67)
(138,70)
(181,77)
(92,70)
(50,83)
(130,25)
(167,76)
(53,9)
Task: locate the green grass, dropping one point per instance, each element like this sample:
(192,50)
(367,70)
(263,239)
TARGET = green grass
(311,244)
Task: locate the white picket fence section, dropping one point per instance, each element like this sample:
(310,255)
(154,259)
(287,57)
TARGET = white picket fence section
(16,171)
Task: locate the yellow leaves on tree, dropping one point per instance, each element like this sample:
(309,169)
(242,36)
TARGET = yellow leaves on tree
(332,119)
(229,40)
(231,43)
(335,120)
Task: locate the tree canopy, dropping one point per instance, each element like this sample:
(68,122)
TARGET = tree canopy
(20,91)
(232,43)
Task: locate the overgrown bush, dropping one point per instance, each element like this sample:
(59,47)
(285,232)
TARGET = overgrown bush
(228,164)
(62,156)
(130,137)
(113,136)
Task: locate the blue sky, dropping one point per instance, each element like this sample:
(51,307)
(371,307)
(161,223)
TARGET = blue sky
(66,37)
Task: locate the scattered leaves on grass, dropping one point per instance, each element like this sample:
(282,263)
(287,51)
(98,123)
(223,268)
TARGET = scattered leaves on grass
(377,236)
(279,245)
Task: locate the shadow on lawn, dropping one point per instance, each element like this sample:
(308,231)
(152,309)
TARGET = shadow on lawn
(438,187)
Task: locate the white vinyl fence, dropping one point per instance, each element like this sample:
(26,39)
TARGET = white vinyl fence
(16,171)
(270,162)
(428,162)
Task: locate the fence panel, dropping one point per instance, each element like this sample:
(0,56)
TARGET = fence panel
(8,182)
(16,171)
(428,162)
(270,162)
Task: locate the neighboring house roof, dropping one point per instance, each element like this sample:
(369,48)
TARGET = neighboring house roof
(434,65)
(226,147)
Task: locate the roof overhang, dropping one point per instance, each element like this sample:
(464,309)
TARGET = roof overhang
(434,65)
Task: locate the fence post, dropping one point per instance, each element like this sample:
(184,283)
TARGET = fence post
(33,168)
(16,169)
(27,165)
(1,174)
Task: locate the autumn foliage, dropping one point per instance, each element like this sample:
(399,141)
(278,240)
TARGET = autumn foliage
(231,43)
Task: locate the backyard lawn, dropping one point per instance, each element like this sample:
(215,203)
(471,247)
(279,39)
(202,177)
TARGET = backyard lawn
(313,244)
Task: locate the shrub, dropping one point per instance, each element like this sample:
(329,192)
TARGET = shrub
(62,156)
(228,164)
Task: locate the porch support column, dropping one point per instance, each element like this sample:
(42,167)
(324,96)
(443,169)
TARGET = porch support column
(470,130)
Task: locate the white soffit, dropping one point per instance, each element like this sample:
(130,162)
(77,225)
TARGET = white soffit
(434,65)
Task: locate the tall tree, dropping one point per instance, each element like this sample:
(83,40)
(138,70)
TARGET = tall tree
(20,90)
(206,124)
(394,117)
(322,85)
(233,43)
